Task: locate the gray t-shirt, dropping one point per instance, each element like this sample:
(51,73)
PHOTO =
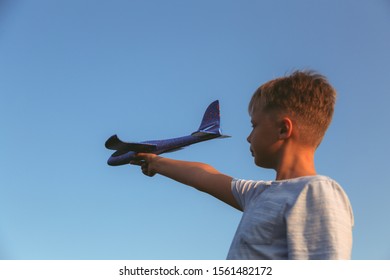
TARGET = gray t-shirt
(302,218)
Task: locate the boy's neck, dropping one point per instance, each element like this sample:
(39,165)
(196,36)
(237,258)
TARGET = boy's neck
(295,163)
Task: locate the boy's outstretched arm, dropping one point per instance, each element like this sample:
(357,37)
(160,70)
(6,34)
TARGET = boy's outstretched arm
(198,175)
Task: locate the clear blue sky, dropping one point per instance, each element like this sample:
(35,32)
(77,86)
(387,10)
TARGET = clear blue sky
(74,72)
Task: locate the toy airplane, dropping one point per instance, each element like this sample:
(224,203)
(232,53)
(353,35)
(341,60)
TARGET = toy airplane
(209,129)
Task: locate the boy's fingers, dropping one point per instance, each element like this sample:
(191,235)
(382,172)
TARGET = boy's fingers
(139,159)
(136,162)
(142,156)
(143,160)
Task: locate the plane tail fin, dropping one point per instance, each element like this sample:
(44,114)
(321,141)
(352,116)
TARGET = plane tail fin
(211,121)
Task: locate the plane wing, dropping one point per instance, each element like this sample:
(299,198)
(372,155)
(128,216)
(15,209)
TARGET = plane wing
(114,143)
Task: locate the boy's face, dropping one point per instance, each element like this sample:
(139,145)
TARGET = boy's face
(264,139)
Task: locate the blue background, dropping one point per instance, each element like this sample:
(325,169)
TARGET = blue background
(74,72)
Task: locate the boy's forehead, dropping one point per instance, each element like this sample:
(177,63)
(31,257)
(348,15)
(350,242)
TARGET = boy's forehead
(257,114)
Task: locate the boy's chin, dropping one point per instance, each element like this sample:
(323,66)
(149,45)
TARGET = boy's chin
(258,162)
(261,163)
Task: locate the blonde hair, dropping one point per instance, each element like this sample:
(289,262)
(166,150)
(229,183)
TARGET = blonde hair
(305,96)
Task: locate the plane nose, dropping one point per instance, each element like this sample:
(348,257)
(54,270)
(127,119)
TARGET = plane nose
(112,162)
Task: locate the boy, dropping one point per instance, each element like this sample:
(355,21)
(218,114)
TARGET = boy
(300,215)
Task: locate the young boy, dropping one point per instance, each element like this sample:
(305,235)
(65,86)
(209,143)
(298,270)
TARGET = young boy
(300,215)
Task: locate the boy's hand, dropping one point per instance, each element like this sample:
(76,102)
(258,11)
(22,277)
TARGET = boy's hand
(146,161)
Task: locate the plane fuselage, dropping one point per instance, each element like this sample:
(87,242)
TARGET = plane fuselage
(163,146)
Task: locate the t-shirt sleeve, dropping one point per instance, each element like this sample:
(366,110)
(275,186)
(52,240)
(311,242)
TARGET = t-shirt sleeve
(319,225)
(244,190)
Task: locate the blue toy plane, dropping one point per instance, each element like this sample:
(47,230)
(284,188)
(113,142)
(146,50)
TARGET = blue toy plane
(125,152)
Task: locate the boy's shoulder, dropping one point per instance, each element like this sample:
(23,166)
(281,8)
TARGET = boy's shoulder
(317,187)
(291,184)
(306,182)
(286,191)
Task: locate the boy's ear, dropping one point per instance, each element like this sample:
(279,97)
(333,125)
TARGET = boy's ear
(286,128)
